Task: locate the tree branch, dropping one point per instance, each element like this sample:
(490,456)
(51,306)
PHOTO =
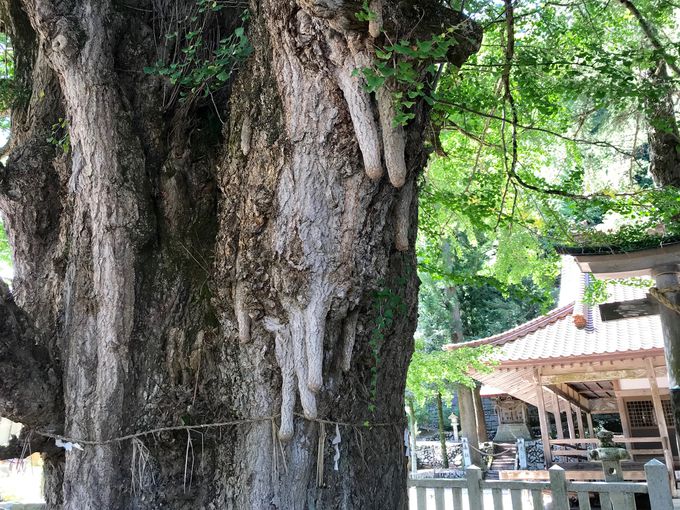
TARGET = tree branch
(30,388)
(508,97)
(648,29)
(597,143)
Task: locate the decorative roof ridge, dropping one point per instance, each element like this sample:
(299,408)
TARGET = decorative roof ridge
(518,331)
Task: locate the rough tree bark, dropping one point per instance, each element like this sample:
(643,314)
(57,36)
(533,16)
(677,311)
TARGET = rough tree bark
(482,433)
(663,132)
(214,259)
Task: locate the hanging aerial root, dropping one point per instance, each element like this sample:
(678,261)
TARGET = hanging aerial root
(394,139)
(297,335)
(315,329)
(349,333)
(376,23)
(363,120)
(284,357)
(403,216)
(241,312)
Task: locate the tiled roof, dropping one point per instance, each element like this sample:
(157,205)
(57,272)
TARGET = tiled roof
(521,330)
(554,336)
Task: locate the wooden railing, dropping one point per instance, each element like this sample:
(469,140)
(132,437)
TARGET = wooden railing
(447,494)
(617,439)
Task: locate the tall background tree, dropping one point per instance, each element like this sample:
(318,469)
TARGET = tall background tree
(213,221)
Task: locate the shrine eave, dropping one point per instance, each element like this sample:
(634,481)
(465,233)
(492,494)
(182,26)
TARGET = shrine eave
(624,264)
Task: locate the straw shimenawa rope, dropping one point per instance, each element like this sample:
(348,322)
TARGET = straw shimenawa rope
(661,296)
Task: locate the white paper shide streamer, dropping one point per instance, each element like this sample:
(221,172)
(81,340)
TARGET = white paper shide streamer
(68,446)
(336,444)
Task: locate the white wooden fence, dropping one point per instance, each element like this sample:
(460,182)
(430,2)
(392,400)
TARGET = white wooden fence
(609,495)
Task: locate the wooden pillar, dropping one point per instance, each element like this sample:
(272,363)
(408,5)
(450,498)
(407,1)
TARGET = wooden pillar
(579,422)
(543,419)
(570,422)
(591,431)
(661,421)
(623,414)
(665,277)
(558,416)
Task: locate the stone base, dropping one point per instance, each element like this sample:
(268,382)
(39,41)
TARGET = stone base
(511,432)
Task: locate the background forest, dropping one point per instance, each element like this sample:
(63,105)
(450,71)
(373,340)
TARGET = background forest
(560,133)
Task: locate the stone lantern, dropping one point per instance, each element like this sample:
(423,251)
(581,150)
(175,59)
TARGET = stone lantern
(611,456)
(453,418)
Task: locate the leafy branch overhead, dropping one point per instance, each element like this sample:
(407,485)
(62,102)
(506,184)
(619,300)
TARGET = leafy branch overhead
(439,371)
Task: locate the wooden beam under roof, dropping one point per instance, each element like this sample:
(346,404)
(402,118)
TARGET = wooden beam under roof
(601,375)
(641,392)
(603,406)
(595,363)
(570,395)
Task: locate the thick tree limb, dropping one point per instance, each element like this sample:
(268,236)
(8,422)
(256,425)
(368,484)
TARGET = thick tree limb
(30,391)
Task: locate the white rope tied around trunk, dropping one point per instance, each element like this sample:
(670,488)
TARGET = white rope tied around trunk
(141,456)
(661,296)
(202,426)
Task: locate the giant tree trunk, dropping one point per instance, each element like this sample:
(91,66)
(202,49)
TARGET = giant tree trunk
(229,257)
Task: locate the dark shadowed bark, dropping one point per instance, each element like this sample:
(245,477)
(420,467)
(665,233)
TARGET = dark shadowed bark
(664,136)
(442,431)
(482,433)
(214,259)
